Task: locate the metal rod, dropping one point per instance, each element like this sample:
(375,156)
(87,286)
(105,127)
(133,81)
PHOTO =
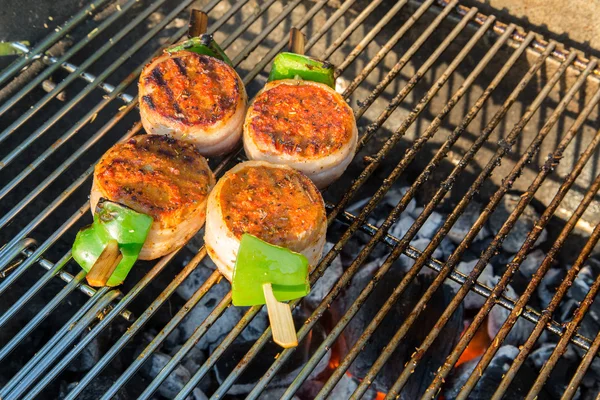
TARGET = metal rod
(199,332)
(69,67)
(41,315)
(376,198)
(356,22)
(406,56)
(572,325)
(132,369)
(444,188)
(507,183)
(505,145)
(369,36)
(58,62)
(345,319)
(107,72)
(582,369)
(539,45)
(74,331)
(40,354)
(532,237)
(48,376)
(75,20)
(396,38)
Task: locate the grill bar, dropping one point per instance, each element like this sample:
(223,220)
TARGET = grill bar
(66,344)
(22,62)
(578,317)
(533,236)
(196,336)
(444,188)
(62,61)
(504,146)
(528,313)
(374,200)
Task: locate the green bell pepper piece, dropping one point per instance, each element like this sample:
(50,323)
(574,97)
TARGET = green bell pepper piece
(292,65)
(259,262)
(204,44)
(112,221)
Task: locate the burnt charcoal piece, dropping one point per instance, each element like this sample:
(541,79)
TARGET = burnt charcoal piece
(561,373)
(512,243)
(465,222)
(473,300)
(95,389)
(176,379)
(259,365)
(530,265)
(521,329)
(491,377)
(432,359)
(548,285)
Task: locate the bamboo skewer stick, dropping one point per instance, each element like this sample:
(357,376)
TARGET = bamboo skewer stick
(280,317)
(105,265)
(297,40)
(198,23)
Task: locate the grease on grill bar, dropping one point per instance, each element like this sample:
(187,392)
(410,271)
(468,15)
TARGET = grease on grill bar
(477,158)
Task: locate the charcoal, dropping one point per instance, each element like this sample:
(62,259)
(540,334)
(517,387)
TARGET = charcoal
(465,222)
(198,394)
(520,330)
(515,239)
(400,227)
(473,300)
(581,284)
(193,359)
(274,394)
(290,369)
(209,301)
(491,377)
(176,379)
(530,265)
(346,386)
(431,225)
(88,357)
(95,389)
(447,248)
(403,306)
(561,373)
(393,197)
(566,310)
(322,287)
(548,285)
(192,283)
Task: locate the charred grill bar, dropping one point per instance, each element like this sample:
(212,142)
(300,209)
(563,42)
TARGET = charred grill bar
(21,248)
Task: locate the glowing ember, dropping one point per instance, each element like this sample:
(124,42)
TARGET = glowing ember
(477,345)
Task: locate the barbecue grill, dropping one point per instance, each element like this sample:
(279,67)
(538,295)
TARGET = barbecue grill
(455,105)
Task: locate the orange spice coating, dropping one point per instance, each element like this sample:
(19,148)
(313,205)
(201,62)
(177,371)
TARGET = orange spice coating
(155,175)
(280,206)
(303,120)
(191,89)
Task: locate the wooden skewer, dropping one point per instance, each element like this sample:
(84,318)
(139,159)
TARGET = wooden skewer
(105,265)
(297,39)
(280,317)
(198,23)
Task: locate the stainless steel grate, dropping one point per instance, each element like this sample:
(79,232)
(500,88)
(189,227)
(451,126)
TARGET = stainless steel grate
(397,59)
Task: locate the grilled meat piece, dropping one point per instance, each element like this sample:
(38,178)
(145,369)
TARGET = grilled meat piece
(160,176)
(195,98)
(272,202)
(303,124)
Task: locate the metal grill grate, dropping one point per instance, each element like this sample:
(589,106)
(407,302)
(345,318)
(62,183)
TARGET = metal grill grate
(388,56)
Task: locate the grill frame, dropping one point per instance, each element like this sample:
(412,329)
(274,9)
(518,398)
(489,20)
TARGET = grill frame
(103,299)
